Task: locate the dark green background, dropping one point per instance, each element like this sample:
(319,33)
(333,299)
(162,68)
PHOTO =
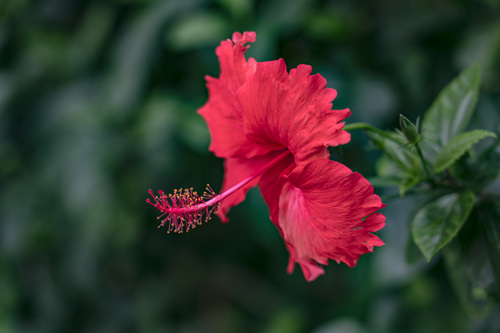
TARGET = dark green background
(98,104)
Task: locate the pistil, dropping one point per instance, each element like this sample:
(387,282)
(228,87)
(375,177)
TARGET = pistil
(185,209)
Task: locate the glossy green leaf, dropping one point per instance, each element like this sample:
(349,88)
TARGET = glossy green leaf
(451,111)
(481,169)
(411,180)
(438,222)
(386,168)
(395,146)
(457,146)
(384,181)
(400,161)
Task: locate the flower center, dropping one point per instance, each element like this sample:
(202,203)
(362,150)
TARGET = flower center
(185,209)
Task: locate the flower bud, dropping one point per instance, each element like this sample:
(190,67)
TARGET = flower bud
(409,129)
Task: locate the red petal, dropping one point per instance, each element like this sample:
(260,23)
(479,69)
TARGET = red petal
(222,112)
(234,68)
(237,169)
(292,111)
(322,210)
(241,40)
(271,184)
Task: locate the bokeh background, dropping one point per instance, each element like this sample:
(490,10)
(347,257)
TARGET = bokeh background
(98,103)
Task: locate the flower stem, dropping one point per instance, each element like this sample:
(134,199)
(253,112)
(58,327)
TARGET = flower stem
(423,161)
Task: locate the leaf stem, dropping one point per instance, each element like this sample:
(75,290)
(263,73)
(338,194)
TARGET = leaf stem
(368,127)
(424,162)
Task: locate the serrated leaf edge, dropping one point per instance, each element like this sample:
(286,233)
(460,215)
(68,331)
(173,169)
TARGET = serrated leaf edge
(439,167)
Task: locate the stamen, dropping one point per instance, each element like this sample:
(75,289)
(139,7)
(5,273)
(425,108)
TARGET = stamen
(185,209)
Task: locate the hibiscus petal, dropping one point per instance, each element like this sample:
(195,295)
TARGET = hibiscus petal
(222,112)
(272,182)
(238,169)
(234,68)
(326,211)
(291,110)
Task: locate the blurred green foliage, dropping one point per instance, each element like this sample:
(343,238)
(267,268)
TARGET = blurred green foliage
(98,104)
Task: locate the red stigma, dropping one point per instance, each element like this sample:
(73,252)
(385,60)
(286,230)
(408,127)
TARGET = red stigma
(185,209)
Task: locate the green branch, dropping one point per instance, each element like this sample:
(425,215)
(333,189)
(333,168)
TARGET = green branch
(370,128)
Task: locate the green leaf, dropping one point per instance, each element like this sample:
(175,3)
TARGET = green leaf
(438,222)
(457,146)
(411,180)
(400,161)
(395,146)
(384,181)
(386,168)
(391,175)
(451,111)
(479,170)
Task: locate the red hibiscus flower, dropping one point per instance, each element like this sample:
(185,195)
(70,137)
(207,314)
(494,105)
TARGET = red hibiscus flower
(273,128)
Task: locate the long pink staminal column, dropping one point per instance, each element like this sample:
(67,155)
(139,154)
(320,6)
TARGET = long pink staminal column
(185,209)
